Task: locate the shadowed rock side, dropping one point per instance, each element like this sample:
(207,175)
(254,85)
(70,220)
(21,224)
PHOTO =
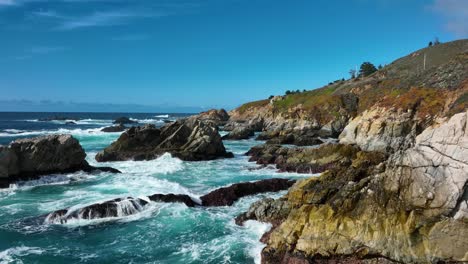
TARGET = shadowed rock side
(228,195)
(29,158)
(240,133)
(303,160)
(127,206)
(188,139)
(409,208)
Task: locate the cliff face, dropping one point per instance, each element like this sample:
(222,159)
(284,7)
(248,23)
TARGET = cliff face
(401,194)
(414,210)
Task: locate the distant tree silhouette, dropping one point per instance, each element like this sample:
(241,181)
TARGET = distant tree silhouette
(430,44)
(379,67)
(352,72)
(436,41)
(367,69)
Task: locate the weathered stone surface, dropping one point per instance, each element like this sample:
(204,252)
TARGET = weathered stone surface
(228,195)
(240,133)
(187,139)
(381,129)
(217,116)
(292,137)
(410,208)
(303,160)
(32,157)
(266,210)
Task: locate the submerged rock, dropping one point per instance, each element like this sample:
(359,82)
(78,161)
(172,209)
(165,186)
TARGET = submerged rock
(228,195)
(188,139)
(119,207)
(29,158)
(173,198)
(117,128)
(114,208)
(124,121)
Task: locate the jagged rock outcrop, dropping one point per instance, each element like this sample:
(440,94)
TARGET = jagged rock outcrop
(218,117)
(228,195)
(117,128)
(298,138)
(188,139)
(242,132)
(303,160)
(382,129)
(410,208)
(32,157)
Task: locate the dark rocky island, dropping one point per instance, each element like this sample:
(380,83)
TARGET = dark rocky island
(124,121)
(116,128)
(188,139)
(30,158)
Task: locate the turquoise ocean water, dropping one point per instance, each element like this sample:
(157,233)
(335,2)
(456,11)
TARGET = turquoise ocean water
(162,233)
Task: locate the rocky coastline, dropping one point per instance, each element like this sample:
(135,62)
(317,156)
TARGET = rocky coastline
(392,189)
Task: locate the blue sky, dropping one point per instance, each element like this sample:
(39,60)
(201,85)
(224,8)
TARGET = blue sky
(202,53)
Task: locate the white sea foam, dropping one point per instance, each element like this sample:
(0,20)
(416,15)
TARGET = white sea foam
(76,132)
(257,229)
(162,116)
(127,212)
(11,255)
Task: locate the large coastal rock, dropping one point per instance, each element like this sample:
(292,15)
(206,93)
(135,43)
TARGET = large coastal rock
(31,157)
(188,139)
(409,208)
(218,117)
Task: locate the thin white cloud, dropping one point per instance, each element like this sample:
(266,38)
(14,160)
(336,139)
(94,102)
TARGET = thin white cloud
(7,2)
(45,49)
(48,14)
(105,18)
(455,14)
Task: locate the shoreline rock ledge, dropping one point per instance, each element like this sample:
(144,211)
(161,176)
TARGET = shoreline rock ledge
(189,139)
(29,158)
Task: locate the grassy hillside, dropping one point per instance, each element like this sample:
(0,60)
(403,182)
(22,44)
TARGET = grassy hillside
(404,83)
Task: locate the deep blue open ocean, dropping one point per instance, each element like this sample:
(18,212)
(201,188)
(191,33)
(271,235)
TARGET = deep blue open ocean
(162,233)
